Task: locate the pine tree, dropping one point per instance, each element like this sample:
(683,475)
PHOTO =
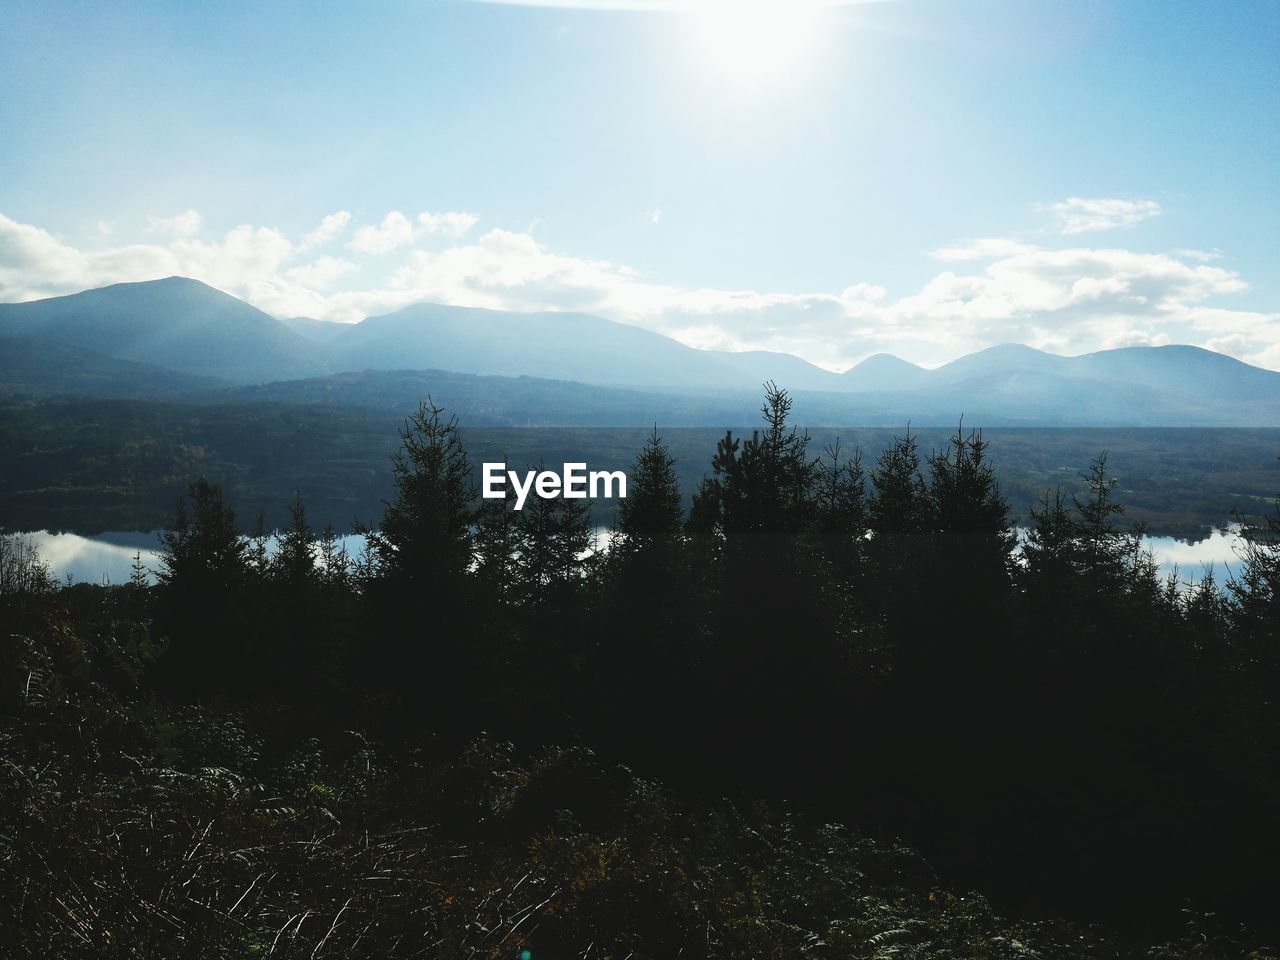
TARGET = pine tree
(1256,608)
(899,504)
(417,586)
(257,551)
(651,517)
(972,537)
(898,515)
(647,658)
(555,548)
(765,632)
(426,534)
(498,542)
(294,563)
(335,565)
(1102,548)
(202,546)
(139,581)
(204,597)
(840,517)
(1050,545)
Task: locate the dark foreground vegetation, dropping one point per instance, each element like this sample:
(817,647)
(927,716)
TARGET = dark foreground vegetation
(454,745)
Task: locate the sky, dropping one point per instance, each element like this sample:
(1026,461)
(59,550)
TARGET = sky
(920,177)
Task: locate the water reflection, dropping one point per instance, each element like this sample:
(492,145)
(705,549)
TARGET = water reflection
(1220,552)
(108,558)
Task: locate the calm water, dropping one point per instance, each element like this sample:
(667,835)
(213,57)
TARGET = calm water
(108,557)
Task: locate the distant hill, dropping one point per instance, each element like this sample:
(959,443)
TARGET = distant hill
(321,331)
(757,366)
(1010,398)
(51,369)
(566,368)
(180,324)
(490,401)
(559,346)
(994,362)
(882,371)
(1182,371)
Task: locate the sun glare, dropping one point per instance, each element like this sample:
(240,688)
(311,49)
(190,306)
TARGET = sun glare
(754,39)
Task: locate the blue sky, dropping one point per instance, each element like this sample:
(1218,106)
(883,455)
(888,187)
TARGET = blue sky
(1118,161)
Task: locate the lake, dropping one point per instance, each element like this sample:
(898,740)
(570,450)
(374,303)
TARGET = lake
(108,557)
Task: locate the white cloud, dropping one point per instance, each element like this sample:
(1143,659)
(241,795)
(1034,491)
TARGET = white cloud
(653,216)
(321,273)
(1082,215)
(1071,300)
(1204,256)
(328,230)
(185,224)
(394,232)
(863,293)
(454,223)
(987,248)
(34,264)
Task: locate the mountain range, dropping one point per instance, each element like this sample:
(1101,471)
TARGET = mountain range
(181,338)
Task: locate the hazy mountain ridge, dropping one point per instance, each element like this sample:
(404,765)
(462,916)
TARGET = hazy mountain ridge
(177,323)
(538,368)
(51,369)
(319,331)
(558,346)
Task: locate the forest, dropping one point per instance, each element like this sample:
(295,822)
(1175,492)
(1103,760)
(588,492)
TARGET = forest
(820,705)
(96,464)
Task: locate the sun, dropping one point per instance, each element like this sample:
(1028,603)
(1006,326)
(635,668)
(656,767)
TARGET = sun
(756,39)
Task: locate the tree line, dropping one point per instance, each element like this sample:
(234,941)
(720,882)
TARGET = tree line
(1050,720)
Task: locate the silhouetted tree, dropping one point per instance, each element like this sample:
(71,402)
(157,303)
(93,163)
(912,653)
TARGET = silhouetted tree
(497,541)
(23,575)
(418,587)
(898,515)
(294,562)
(646,665)
(1049,548)
(1101,547)
(840,517)
(555,549)
(425,538)
(203,585)
(651,517)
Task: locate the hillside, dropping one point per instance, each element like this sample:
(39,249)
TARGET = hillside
(559,346)
(179,324)
(537,369)
(34,368)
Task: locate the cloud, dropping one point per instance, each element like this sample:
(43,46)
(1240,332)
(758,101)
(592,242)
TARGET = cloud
(863,293)
(34,264)
(1204,256)
(451,224)
(321,273)
(653,216)
(395,231)
(987,248)
(1071,300)
(330,228)
(185,224)
(1079,215)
